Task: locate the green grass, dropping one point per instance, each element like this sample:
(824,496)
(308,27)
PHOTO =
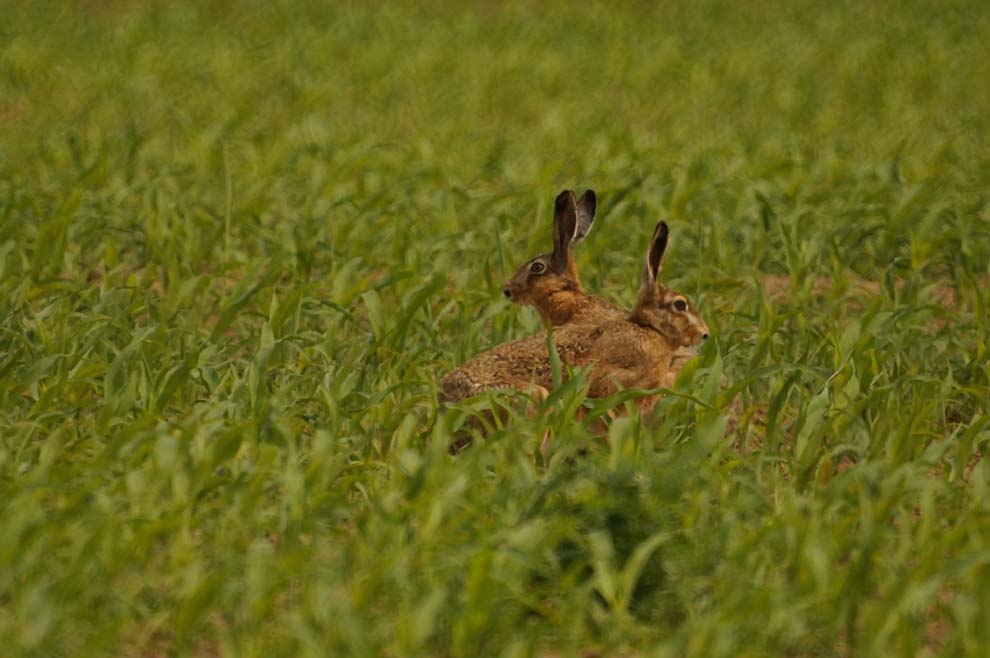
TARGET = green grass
(240,244)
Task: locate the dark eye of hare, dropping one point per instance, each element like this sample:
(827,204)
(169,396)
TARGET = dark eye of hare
(537,267)
(680,305)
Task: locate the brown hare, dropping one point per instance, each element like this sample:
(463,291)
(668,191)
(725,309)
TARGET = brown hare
(549,282)
(637,350)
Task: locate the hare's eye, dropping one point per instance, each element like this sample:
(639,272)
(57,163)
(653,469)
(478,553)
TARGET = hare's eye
(680,305)
(537,267)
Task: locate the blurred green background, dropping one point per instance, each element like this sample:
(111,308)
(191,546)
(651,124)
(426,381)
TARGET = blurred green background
(241,242)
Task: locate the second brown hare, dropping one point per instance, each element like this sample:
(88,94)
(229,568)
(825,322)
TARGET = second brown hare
(549,282)
(634,351)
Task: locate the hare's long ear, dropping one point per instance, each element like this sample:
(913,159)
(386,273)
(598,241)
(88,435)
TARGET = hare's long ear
(654,258)
(564,229)
(585,214)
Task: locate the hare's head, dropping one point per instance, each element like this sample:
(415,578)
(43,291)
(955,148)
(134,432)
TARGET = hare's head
(659,308)
(544,275)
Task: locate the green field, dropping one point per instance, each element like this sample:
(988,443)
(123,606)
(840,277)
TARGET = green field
(241,242)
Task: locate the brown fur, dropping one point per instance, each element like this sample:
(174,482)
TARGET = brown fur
(635,351)
(550,283)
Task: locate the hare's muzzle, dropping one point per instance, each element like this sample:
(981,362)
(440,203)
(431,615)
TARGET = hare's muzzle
(507,291)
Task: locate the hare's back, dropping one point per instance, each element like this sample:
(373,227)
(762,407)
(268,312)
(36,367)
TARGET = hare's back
(513,364)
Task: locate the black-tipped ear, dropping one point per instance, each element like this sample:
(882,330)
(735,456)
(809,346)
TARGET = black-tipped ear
(586,206)
(654,256)
(564,229)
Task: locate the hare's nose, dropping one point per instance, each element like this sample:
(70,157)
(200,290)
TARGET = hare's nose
(704,336)
(507,292)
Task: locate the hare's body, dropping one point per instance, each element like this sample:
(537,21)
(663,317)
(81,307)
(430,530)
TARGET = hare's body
(549,282)
(617,354)
(637,350)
